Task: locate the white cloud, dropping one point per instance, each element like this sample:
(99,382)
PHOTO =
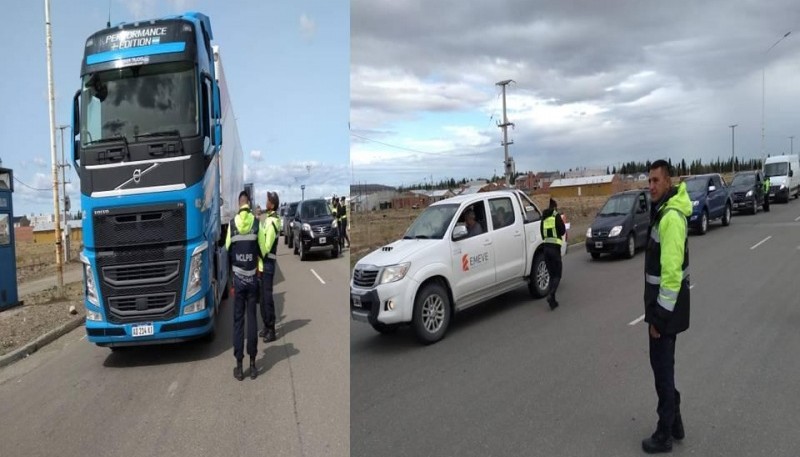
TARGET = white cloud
(256,155)
(40,162)
(308,28)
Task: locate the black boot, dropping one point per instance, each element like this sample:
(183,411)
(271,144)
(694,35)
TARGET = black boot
(659,442)
(551,300)
(253,369)
(677,428)
(269,335)
(238,373)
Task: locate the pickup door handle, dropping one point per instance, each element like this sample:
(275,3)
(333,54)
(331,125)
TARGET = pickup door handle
(487,243)
(517,234)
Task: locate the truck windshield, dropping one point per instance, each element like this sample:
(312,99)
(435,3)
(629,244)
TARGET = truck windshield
(776,169)
(432,223)
(743,180)
(618,206)
(139,100)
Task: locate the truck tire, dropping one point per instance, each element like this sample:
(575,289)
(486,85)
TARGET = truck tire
(385,329)
(631,251)
(703,229)
(539,281)
(431,313)
(726,216)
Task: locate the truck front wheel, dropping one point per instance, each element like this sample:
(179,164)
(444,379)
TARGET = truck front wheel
(539,282)
(431,313)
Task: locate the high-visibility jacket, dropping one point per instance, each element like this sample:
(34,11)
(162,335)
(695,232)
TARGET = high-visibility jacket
(267,237)
(552,228)
(666,264)
(242,243)
(766,185)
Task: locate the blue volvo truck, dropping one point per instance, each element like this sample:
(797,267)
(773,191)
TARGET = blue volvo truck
(157,150)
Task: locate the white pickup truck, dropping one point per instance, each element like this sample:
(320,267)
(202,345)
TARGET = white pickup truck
(441,267)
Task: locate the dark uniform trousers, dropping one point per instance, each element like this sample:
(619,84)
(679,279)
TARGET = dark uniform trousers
(552,258)
(245,299)
(662,360)
(267,302)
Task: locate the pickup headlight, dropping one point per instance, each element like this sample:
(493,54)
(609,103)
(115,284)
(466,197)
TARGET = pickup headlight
(695,202)
(615,230)
(334,224)
(91,288)
(306,227)
(783,186)
(195,272)
(589,232)
(394,273)
(749,193)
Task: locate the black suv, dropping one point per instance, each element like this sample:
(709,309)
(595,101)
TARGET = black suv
(288,223)
(315,229)
(747,191)
(621,225)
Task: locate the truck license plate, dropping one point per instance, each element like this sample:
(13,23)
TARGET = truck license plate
(598,244)
(356,301)
(142,330)
(322,240)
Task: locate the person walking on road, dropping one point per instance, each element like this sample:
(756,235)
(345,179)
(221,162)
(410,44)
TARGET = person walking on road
(767,185)
(267,260)
(553,231)
(242,245)
(666,297)
(343,221)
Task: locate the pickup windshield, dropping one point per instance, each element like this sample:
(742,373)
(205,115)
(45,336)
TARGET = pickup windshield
(139,102)
(432,223)
(696,185)
(776,169)
(618,206)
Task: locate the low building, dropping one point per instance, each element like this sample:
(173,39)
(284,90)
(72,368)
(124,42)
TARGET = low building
(410,200)
(46,233)
(590,186)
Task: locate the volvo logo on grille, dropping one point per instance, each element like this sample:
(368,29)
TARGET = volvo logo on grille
(137,175)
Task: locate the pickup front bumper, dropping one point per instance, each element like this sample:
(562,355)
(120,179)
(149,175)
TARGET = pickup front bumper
(615,245)
(391,303)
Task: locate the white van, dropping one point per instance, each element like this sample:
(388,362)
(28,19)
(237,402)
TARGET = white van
(784,177)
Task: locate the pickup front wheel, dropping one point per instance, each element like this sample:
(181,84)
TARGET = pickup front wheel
(539,282)
(431,313)
(726,217)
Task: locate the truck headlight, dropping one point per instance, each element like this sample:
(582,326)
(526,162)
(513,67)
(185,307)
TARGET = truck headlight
(695,202)
(93,316)
(749,193)
(91,288)
(589,232)
(334,224)
(195,307)
(195,273)
(394,273)
(615,230)
(783,186)
(306,227)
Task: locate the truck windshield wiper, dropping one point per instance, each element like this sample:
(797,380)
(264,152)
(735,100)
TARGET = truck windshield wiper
(112,156)
(174,132)
(112,139)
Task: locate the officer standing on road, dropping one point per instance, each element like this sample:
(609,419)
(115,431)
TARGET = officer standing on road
(766,193)
(343,221)
(268,249)
(553,231)
(242,245)
(666,297)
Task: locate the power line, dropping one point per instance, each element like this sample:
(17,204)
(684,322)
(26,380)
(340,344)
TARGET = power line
(398,147)
(30,187)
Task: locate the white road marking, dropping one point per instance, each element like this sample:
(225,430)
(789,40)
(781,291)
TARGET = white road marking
(83,337)
(760,242)
(797,219)
(637,320)
(641,318)
(315,274)
(172,388)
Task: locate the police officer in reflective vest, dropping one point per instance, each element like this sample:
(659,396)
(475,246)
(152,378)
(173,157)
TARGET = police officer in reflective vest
(553,231)
(766,193)
(268,250)
(666,297)
(343,221)
(242,245)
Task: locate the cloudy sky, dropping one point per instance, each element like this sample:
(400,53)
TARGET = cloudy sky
(597,83)
(287,69)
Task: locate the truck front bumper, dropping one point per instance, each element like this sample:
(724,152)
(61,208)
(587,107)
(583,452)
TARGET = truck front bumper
(181,328)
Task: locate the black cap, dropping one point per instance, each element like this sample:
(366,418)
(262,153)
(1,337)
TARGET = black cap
(553,203)
(245,195)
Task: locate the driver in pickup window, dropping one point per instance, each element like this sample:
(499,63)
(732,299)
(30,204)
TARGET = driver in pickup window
(473,227)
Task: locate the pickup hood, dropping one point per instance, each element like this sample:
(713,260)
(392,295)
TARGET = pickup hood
(317,221)
(397,252)
(606,222)
(778,180)
(742,188)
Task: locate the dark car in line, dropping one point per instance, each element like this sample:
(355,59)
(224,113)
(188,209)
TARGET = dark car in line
(315,229)
(711,200)
(747,191)
(288,223)
(621,225)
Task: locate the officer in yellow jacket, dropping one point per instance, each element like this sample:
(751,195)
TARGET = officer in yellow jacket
(242,245)
(268,250)
(553,231)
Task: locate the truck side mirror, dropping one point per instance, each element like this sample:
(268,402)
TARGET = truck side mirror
(791,173)
(459,232)
(76,123)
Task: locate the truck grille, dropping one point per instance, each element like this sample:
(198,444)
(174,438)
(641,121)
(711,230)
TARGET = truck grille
(133,226)
(137,305)
(142,273)
(364,278)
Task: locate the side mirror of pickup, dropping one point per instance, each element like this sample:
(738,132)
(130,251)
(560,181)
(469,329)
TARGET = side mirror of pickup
(712,188)
(459,232)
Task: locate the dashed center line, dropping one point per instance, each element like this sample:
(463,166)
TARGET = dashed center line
(760,242)
(315,274)
(797,219)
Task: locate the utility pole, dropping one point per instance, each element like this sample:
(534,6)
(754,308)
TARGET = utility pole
(504,125)
(733,160)
(54,160)
(63,165)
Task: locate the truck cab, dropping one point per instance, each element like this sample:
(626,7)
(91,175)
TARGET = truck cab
(457,253)
(784,179)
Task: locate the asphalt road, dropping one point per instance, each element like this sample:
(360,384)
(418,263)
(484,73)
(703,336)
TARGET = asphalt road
(512,378)
(75,399)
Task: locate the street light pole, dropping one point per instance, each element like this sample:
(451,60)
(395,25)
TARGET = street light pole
(763,88)
(733,155)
